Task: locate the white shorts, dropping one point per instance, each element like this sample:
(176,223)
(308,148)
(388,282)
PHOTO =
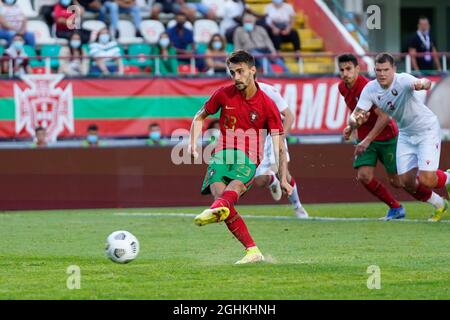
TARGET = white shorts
(268,165)
(419,151)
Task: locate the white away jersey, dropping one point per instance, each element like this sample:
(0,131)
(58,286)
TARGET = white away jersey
(275,95)
(401,102)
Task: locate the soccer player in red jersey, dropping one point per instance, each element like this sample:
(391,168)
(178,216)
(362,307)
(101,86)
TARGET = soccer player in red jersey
(246,113)
(377,139)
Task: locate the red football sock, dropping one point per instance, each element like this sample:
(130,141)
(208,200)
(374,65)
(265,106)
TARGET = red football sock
(238,228)
(442,179)
(422,193)
(378,190)
(227,199)
(292,182)
(272,178)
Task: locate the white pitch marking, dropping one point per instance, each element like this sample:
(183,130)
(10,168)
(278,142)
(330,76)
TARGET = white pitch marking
(192,215)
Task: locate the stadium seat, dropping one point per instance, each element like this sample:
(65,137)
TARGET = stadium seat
(140,50)
(204,29)
(127,33)
(173,22)
(93,25)
(27,8)
(51,50)
(217,6)
(151,30)
(41,32)
(32,53)
(38,70)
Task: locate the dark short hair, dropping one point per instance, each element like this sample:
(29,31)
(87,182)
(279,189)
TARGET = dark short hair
(241,56)
(423,18)
(385,57)
(92,127)
(154,124)
(348,57)
(39,128)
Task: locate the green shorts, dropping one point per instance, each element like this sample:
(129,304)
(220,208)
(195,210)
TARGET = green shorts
(227,165)
(385,151)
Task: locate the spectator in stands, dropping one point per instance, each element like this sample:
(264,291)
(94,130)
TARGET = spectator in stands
(40,139)
(106,54)
(74,60)
(130,7)
(166,65)
(254,39)
(182,37)
(280,20)
(13,21)
(187,7)
(215,56)
(422,42)
(165,6)
(92,139)
(16,57)
(154,136)
(63,18)
(232,18)
(194,6)
(46,11)
(102,7)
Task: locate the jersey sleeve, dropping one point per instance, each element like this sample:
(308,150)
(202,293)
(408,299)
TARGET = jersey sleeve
(278,100)
(274,124)
(213,104)
(406,81)
(365,99)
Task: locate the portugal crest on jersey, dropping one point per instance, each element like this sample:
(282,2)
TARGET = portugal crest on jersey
(253,116)
(44,104)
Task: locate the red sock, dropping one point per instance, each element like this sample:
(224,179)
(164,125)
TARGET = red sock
(238,228)
(378,190)
(422,193)
(442,179)
(292,182)
(227,199)
(272,178)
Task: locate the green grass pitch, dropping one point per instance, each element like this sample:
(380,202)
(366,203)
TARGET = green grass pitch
(312,259)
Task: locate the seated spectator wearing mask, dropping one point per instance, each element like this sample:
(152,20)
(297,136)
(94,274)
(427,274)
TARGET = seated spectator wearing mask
(73,58)
(181,37)
(215,56)
(280,20)
(16,57)
(167,64)
(254,39)
(63,19)
(106,55)
(92,139)
(154,135)
(12,22)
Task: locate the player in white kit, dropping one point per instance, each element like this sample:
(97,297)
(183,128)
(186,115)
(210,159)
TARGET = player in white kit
(419,142)
(265,176)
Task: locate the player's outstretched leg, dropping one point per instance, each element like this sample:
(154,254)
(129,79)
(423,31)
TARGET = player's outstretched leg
(239,229)
(396,210)
(443,180)
(275,187)
(219,210)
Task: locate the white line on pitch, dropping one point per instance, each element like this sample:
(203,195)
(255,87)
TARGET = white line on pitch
(192,215)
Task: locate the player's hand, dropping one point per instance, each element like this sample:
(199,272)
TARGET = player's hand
(361,147)
(192,150)
(286,187)
(356,120)
(347,132)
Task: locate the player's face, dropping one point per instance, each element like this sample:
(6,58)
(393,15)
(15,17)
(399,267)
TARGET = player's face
(40,136)
(385,73)
(348,72)
(242,75)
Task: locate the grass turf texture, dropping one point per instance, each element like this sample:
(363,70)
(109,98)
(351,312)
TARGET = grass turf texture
(308,259)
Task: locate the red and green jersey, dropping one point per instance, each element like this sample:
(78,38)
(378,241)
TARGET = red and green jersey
(351,97)
(244,122)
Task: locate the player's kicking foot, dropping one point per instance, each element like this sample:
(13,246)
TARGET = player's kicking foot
(301,213)
(212,215)
(439,213)
(395,214)
(275,190)
(252,255)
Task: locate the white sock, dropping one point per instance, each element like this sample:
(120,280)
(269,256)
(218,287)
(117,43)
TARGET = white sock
(294,199)
(448,177)
(436,201)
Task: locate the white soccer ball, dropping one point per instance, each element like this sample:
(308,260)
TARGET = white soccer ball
(122,247)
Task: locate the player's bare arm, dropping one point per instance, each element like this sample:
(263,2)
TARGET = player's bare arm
(382,121)
(357,118)
(288,120)
(281,162)
(196,131)
(422,84)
